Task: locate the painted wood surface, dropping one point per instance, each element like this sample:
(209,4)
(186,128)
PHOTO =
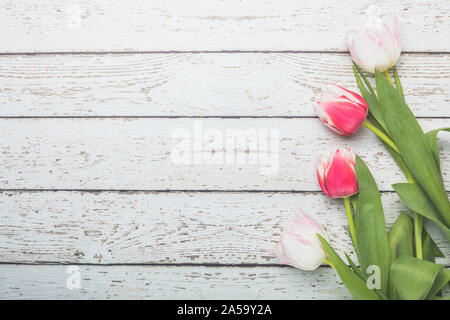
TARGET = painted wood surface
(139,25)
(165,227)
(199,84)
(91,93)
(143,154)
(169,282)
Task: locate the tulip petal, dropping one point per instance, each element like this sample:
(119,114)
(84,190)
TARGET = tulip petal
(340,177)
(299,245)
(345,118)
(339,91)
(281,257)
(377,47)
(322,166)
(304,255)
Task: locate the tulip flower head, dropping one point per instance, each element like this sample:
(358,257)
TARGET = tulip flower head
(377,46)
(342,110)
(336,174)
(299,245)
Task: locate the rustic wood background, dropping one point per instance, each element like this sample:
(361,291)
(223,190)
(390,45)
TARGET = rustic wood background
(87,109)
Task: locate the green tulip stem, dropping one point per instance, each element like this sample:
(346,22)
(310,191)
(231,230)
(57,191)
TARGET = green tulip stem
(418,225)
(351,224)
(418,221)
(381,135)
(388,76)
(327,261)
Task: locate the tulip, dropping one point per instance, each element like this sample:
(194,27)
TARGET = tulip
(376,47)
(342,110)
(299,245)
(337,176)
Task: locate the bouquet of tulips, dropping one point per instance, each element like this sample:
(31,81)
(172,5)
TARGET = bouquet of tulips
(394,264)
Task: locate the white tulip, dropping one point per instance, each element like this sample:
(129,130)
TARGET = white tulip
(376,47)
(299,245)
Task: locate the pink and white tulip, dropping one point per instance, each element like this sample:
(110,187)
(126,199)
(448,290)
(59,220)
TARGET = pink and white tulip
(377,46)
(342,110)
(337,175)
(299,245)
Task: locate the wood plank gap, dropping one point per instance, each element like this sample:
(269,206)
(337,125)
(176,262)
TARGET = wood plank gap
(169,191)
(199,52)
(185,117)
(212,265)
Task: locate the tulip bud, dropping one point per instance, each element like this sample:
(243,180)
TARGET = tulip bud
(337,176)
(342,110)
(376,47)
(299,245)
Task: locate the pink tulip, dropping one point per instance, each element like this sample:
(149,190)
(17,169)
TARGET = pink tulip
(337,176)
(299,245)
(376,47)
(342,110)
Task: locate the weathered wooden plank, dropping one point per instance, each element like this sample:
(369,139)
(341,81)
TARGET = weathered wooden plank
(137,25)
(140,154)
(146,227)
(211,84)
(166,282)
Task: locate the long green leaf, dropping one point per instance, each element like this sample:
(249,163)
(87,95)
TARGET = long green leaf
(440,282)
(401,237)
(370,227)
(398,83)
(357,287)
(429,247)
(415,198)
(363,276)
(412,278)
(432,140)
(407,134)
(371,99)
(361,73)
(355,269)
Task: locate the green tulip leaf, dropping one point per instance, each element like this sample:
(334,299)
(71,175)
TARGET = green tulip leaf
(369,96)
(429,247)
(415,198)
(414,147)
(363,276)
(370,226)
(397,83)
(432,140)
(355,268)
(440,282)
(401,237)
(414,279)
(357,287)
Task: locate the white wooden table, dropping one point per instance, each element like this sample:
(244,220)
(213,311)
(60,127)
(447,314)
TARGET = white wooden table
(90,94)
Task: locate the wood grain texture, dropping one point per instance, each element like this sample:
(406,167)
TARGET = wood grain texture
(137,154)
(202,84)
(139,25)
(149,59)
(166,282)
(175,227)
(170,282)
